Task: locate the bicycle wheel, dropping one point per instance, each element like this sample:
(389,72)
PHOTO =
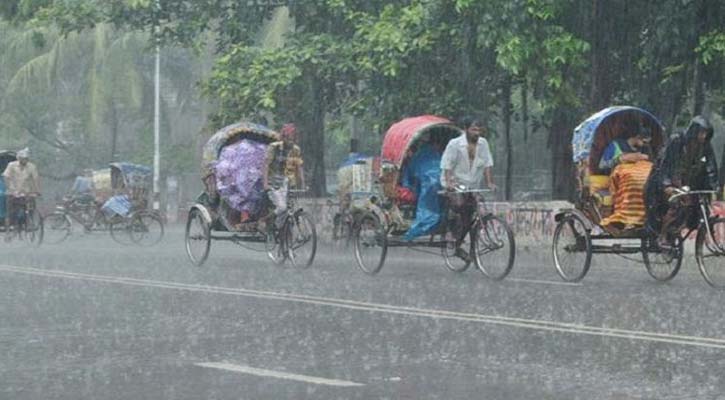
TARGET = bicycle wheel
(572,248)
(119,227)
(452,259)
(146,228)
(302,244)
(58,227)
(493,247)
(710,252)
(34,228)
(371,245)
(662,264)
(197,238)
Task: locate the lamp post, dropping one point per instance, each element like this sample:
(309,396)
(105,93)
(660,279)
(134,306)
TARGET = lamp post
(157,94)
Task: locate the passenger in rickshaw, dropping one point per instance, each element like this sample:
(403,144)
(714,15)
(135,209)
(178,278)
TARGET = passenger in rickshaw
(283,170)
(466,162)
(421,175)
(688,160)
(629,162)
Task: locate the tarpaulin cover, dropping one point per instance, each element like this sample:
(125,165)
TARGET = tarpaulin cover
(593,135)
(228,135)
(120,205)
(238,173)
(401,135)
(422,175)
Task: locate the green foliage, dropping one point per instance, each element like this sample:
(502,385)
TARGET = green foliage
(712,47)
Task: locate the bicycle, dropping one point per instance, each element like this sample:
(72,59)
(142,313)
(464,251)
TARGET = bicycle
(24,221)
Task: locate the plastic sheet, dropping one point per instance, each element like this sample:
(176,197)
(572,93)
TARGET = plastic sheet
(238,173)
(120,205)
(422,175)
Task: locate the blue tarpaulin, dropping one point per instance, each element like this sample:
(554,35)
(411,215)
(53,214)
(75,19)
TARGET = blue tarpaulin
(422,175)
(2,198)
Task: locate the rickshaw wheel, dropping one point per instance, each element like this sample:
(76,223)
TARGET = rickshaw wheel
(572,248)
(197,238)
(451,260)
(371,245)
(146,228)
(662,265)
(493,247)
(710,253)
(59,227)
(302,243)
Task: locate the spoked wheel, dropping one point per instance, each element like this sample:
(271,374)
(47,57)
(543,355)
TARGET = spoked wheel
(58,226)
(494,248)
(456,261)
(197,238)
(572,248)
(710,252)
(146,228)
(34,229)
(302,243)
(371,245)
(662,264)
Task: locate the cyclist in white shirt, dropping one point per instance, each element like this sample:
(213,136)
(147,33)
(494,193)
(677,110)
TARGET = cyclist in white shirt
(467,161)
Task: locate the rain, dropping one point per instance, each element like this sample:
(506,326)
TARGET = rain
(362,199)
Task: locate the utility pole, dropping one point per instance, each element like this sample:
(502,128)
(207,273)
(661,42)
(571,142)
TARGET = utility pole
(157,153)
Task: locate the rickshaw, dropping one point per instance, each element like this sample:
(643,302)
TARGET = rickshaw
(355,177)
(579,232)
(390,211)
(28,220)
(217,214)
(118,203)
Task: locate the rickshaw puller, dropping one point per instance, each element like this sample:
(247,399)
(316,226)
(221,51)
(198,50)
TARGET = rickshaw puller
(688,160)
(283,170)
(467,161)
(21,178)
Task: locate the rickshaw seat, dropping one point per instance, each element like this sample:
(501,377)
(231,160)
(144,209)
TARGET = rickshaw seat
(599,188)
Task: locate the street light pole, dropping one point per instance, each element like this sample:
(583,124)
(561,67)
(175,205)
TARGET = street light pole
(157,153)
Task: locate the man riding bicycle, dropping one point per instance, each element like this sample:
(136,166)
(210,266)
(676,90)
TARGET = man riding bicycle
(466,162)
(283,170)
(22,181)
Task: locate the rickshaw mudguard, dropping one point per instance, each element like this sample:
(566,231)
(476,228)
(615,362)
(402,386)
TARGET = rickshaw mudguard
(573,211)
(204,212)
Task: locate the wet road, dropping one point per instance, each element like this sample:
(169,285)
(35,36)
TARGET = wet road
(92,320)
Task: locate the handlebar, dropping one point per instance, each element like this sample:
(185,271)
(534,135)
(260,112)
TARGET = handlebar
(464,191)
(685,191)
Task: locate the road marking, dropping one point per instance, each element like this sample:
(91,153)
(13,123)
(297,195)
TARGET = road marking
(544,282)
(532,324)
(268,373)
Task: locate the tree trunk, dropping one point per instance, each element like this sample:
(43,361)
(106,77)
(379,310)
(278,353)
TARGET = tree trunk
(601,88)
(698,81)
(312,137)
(562,166)
(506,106)
(114,131)
(525,108)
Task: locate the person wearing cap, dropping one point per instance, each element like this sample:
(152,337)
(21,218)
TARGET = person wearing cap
(21,179)
(688,160)
(283,169)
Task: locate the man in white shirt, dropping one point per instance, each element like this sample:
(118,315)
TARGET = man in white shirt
(21,179)
(467,161)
